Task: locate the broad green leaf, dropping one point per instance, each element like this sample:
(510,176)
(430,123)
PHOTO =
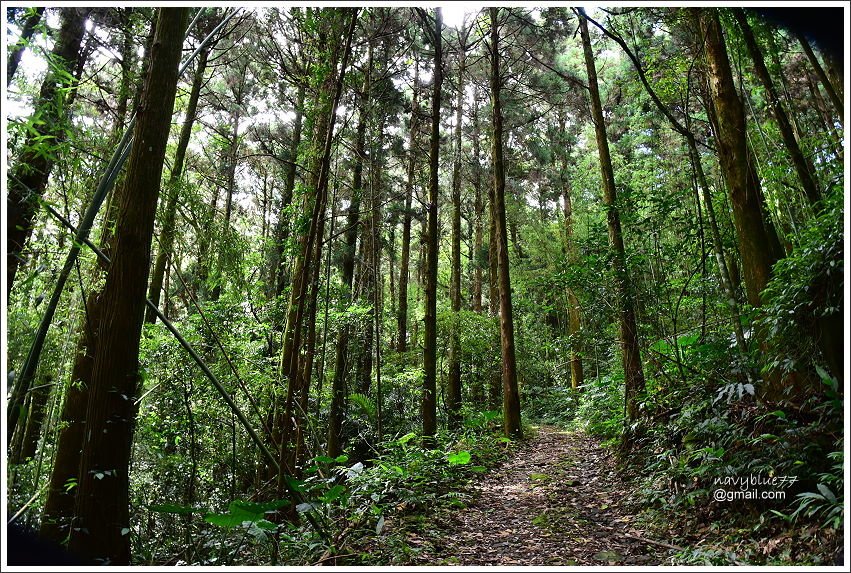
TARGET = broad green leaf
(227,520)
(459,459)
(333,493)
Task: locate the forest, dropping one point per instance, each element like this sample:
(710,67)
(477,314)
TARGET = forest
(424,286)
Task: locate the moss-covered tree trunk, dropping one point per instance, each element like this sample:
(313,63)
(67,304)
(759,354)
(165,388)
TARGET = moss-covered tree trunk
(755,239)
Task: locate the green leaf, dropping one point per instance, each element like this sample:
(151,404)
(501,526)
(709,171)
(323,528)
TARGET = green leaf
(459,459)
(478,469)
(295,484)
(406,438)
(227,520)
(333,493)
(266,524)
(826,492)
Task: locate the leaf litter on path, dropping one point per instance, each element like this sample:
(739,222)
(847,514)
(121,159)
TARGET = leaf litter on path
(557,501)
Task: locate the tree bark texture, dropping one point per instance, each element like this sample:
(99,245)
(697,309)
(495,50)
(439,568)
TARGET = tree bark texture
(510,393)
(429,398)
(453,393)
(631,356)
(754,238)
(102,506)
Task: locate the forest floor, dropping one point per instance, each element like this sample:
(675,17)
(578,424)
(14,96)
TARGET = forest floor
(557,500)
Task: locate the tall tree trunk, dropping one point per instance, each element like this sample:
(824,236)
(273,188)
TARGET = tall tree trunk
(404,264)
(27,434)
(205,244)
(30,172)
(168,228)
(453,394)
(282,228)
(835,99)
(332,85)
(309,349)
(347,271)
(429,398)
(230,189)
(633,371)
(802,167)
(510,393)
(479,212)
(495,382)
(748,216)
(61,494)
(102,507)
(16,51)
(727,283)
(574,311)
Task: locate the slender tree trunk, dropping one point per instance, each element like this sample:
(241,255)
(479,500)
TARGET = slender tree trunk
(574,312)
(633,371)
(16,51)
(802,167)
(309,350)
(453,395)
(347,271)
(168,227)
(230,189)
(332,86)
(282,228)
(835,99)
(61,493)
(366,296)
(102,507)
(30,172)
(27,434)
(205,243)
(404,272)
(495,382)
(510,393)
(479,212)
(429,398)
(754,237)
(718,247)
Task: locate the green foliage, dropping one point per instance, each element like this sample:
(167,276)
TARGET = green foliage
(806,287)
(245,512)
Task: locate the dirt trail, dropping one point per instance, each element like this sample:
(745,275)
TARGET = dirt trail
(557,501)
